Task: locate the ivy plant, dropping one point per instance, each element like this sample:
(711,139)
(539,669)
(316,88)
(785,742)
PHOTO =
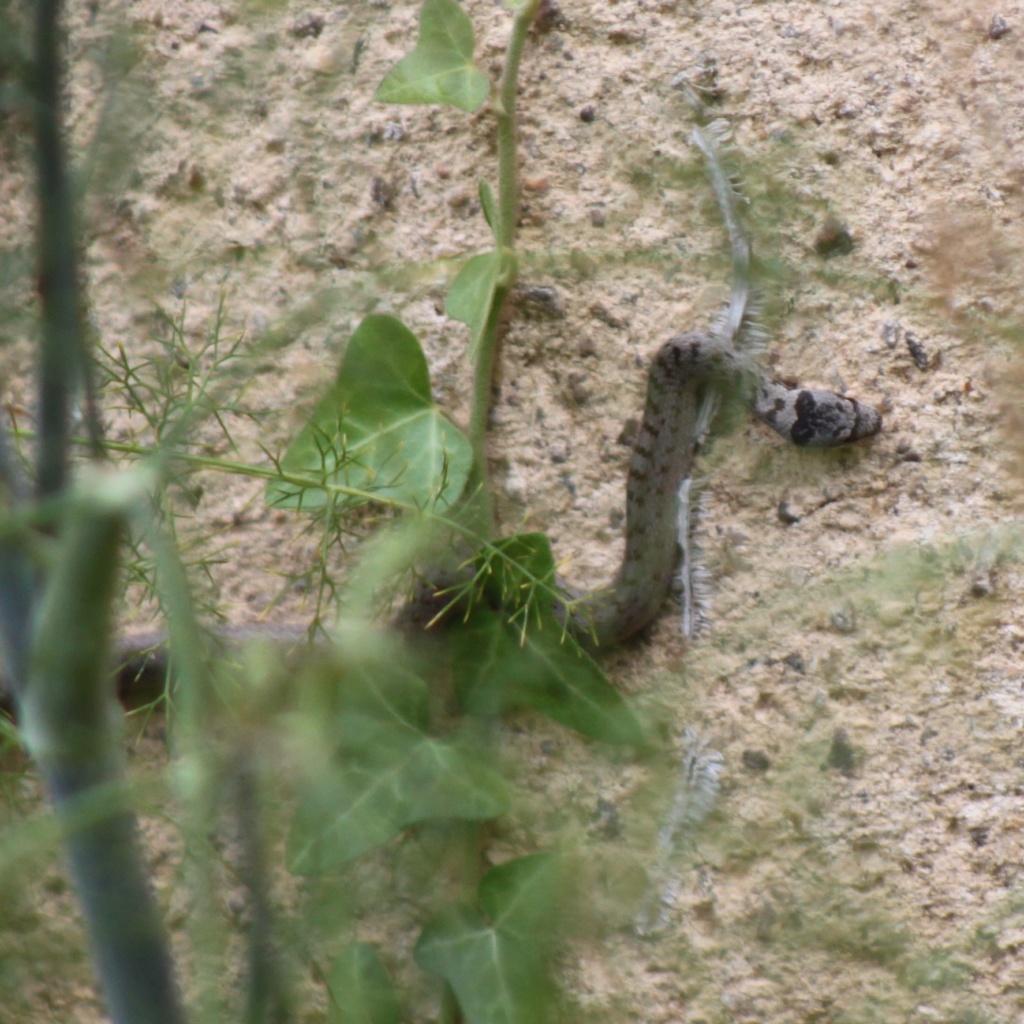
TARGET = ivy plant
(384,741)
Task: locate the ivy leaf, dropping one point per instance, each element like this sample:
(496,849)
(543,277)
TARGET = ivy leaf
(372,697)
(497,967)
(488,205)
(377,430)
(518,655)
(404,777)
(521,895)
(440,69)
(524,562)
(474,291)
(497,666)
(472,294)
(361,988)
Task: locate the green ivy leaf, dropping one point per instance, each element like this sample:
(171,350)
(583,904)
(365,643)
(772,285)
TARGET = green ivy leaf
(521,895)
(377,430)
(498,967)
(361,988)
(440,69)
(472,294)
(403,777)
(371,698)
(489,206)
(520,656)
(528,563)
(497,666)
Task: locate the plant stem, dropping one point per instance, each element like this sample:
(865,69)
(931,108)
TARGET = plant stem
(189,642)
(483,375)
(505,236)
(17,575)
(70,717)
(508,135)
(267,999)
(62,352)
(71,727)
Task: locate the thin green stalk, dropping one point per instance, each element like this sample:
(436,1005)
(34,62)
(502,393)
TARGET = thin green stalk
(508,132)
(71,727)
(241,468)
(548,595)
(62,352)
(69,713)
(17,575)
(505,235)
(483,376)
(267,998)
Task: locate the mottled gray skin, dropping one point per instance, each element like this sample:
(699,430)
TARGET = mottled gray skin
(814,419)
(663,457)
